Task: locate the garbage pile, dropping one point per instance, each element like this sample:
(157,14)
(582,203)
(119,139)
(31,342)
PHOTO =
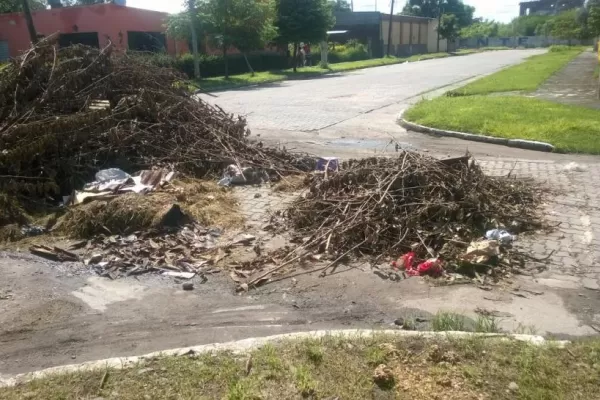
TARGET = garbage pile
(422,212)
(66,113)
(185,252)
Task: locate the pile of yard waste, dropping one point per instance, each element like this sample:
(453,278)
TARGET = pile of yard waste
(110,147)
(66,113)
(427,216)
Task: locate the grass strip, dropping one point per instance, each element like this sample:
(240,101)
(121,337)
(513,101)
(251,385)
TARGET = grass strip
(568,128)
(378,367)
(526,76)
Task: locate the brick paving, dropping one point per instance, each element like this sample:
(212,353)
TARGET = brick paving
(572,206)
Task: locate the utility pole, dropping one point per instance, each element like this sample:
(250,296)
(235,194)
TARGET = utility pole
(29,19)
(352,5)
(389,44)
(192,11)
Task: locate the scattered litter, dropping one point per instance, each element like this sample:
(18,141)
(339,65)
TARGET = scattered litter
(328,164)
(574,167)
(53,253)
(113,181)
(182,275)
(112,174)
(188,286)
(180,251)
(94,259)
(33,230)
(407,262)
(482,252)
(233,175)
(502,236)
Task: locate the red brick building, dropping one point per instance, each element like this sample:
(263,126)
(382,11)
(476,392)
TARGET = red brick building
(95,25)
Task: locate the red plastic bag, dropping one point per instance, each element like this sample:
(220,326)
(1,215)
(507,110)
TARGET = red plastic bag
(431,267)
(406,261)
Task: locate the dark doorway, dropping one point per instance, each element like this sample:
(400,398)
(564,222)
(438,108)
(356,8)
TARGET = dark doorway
(155,42)
(87,38)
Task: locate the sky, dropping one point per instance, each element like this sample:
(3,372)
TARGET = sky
(500,10)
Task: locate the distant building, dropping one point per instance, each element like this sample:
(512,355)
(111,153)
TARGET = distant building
(548,7)
(94,25)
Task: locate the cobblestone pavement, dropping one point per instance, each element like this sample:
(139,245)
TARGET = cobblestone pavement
(316,104)
(575,84)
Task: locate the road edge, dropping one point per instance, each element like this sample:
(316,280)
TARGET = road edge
(517,143)
(240,346)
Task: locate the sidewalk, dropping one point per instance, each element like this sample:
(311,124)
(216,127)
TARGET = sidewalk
(574,85)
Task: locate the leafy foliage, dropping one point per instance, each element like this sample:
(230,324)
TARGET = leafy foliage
(432,9)
(244,24)
(449,28)
(8,6)
(303,20)
(340,5)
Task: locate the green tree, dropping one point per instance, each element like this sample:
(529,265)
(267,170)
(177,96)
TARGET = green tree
(8,6)
(566,25)
(593,17)
(480,29)
(340,5)
(303,20)
(244,24)
(449,28)
(255,26)
(433,8)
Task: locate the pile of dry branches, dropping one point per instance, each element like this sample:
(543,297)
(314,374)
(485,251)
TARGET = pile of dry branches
(388,206)
(66,113)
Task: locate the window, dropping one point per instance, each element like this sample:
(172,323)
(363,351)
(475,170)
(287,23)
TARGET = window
(87,38)
(147,41)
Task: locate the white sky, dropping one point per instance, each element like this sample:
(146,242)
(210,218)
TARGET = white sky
(500,10)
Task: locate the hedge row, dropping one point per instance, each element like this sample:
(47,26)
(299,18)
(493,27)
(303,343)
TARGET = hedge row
(214,65)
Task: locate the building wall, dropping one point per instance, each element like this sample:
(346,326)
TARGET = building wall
(110,21)
(409,34)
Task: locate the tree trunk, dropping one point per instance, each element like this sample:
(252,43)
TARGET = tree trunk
(248,64)
(192,11)
(295,56)
(226,62)
(29,20)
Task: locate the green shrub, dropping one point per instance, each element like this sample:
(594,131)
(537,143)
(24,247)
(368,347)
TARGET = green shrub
(343,53)
(214,65)
(557,48)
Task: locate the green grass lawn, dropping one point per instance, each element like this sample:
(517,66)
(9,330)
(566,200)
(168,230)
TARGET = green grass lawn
(220,83)
(568,128)
(377,367)
(522,77)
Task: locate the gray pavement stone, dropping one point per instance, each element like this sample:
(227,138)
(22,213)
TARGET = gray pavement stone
(591,284)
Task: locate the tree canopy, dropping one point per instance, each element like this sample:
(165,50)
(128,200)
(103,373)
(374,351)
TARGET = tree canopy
(449,28)
(340,5)
(8,6)
(303,21)
(244,24)
(432,9)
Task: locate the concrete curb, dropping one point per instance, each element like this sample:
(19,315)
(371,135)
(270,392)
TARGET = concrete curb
(244,345)
(518,143)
